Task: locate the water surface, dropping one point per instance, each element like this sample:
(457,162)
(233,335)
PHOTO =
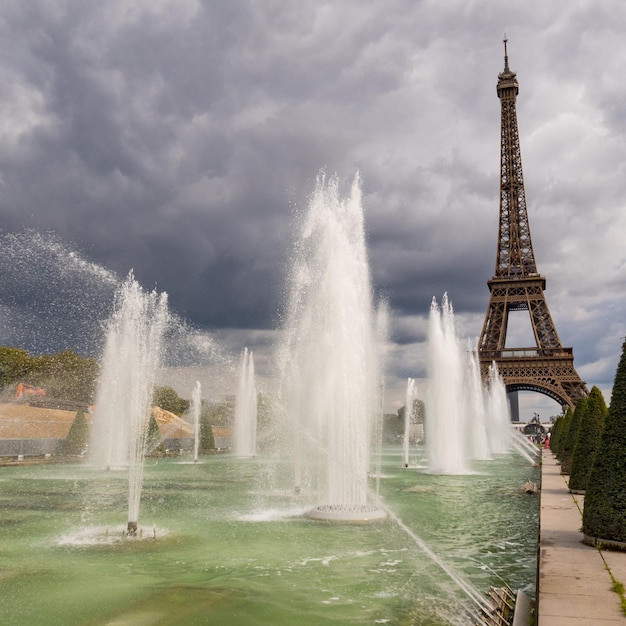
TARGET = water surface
(231,548)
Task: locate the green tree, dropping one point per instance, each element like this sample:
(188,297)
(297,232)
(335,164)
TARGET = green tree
(569,440)
(15,364)
(221,413)
(66,375)
(604,514)
(169,400)
(77,438)
(589,433)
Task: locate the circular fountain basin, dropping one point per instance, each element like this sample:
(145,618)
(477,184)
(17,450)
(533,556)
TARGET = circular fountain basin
(348,513)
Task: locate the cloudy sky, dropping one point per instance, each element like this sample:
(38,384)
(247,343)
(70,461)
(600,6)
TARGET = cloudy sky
(180,139)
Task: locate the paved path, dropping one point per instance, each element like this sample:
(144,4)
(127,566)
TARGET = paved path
(574,586)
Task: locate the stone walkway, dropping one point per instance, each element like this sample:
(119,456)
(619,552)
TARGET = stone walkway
(574,585)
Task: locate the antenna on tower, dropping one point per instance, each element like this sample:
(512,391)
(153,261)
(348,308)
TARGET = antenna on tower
(506,56)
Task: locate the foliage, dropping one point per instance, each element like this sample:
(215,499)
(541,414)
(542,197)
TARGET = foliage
(393,426)
(221,413)
(265,411)
(206,441)
(555,434)
(562,434)
(570,437)
(167,399)
(393,423)
(604,515)
(417,415)
(589,433)
(77,438)
(64,375)
(14,365)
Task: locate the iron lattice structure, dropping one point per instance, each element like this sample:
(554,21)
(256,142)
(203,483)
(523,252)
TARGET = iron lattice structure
(547,367)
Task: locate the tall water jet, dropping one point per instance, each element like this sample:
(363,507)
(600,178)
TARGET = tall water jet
(329,361)
(445,419)
(245,419)
(410,397)
(132,354)
(382,339)
(476,407)
(498,413)
(196,405)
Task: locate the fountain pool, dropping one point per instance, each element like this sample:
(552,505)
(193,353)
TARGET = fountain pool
(229,550)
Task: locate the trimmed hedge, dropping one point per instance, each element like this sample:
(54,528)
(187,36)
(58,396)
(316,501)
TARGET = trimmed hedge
(604,514)
(555,434)
(569,441)
(78,436)
(589,433)
(567,422)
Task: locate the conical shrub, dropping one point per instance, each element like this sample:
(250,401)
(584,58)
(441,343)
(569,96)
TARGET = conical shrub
(153,437)
(78,436)
(555,434)
(567,421)
(570,437)
(604,514)
(589,433)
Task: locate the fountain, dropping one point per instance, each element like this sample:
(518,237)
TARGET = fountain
(445,416)
(196,405)
(498,413)
(245,420)
(466,420)
(217,561)
(411,396)
(329,360)
(124,396)
(476,408)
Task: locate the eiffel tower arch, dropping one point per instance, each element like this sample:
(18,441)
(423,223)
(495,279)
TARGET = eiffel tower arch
(546,367)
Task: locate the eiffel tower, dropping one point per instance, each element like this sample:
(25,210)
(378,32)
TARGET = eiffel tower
(547,367)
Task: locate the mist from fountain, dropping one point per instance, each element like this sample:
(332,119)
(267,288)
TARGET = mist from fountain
(411,396)
(329,361)
(245,419)
(132,354)
(476,407)
(498,414)
(196,405)
(446,419)
(466,420)
(382,339)
(295,564)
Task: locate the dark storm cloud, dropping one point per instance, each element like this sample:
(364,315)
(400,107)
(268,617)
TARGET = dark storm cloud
(182,138)
(51,298)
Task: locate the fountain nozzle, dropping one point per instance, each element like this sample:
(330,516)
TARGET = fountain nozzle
(131,529)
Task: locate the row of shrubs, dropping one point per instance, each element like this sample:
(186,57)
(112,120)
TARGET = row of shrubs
(590,443)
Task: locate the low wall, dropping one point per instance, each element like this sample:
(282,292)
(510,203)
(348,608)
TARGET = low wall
(29,447)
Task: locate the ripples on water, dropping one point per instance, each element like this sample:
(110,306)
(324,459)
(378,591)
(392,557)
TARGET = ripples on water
(232,548)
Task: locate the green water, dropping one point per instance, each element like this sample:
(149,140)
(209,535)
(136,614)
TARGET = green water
(230,549)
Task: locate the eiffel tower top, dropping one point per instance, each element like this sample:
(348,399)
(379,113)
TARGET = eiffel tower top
(515,256)
(507,79)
